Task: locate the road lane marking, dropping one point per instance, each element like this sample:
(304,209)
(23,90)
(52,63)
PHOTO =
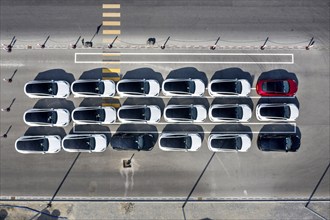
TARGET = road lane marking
(111,23)
(110,6)
(110,70)
(114,32)
(111,15)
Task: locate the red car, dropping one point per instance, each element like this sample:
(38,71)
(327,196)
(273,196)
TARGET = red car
(277,87)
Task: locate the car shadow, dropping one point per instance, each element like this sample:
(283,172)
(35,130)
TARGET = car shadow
(55,74)
(92,129)
(144,73)
(45,131)
(145,101)
(186,73)
(280,128)
(54,103)
(92,74)
(287,100)
(140,128)
(232,129)
(278,74)
(244,100)
(190,101)
(184,128)
(233,73)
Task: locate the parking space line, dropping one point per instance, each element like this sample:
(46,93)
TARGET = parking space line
(110,6)
(226,56)
(111,14)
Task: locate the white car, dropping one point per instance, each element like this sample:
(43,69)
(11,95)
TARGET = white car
(47,117)
(93,88)
(230,113)
(277,112)
(183,87)
(229,87)
(139,114)
(84,143)
(229,142)
(47,89)
(94,115)
(185,113)
(138,88)
(180,141)
(43,144)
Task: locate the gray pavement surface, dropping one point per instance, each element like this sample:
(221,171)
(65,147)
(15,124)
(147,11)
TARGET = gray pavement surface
(168,174)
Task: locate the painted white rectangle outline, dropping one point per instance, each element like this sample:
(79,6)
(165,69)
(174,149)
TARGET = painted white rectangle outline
(186,62)
(205,123)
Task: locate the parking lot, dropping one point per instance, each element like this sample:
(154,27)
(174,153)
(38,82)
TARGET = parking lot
(158,174)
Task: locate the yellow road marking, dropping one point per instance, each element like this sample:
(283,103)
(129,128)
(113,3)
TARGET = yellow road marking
(111,31)
(115,78)
(110,70)
(111,6)
(115,105)
(111,15)
(111,23)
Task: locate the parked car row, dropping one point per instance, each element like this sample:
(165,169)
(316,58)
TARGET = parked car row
(145,142)
(152,114)
(151,88)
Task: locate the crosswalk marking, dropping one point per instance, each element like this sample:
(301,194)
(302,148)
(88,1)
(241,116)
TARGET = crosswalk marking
(111,32)
(111,23)
(111,70)
(109,6)
(111,15)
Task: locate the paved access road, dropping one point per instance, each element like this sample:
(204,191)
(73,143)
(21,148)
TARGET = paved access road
(156,173)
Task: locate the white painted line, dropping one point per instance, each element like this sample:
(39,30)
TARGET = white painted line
(204,132)
(186,62)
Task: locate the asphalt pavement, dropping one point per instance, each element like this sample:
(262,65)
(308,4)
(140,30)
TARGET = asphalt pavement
(158,174)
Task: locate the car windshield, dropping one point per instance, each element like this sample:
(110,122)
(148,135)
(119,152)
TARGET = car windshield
(126,141)
(142,113)
(42,88)
(276,112)
(80,143)
(45,117)
(184,113)
(176,142)
(181,87)
(140,87)
(274,143)
(276,86)
(90,115)
(33,144)
(89,87)
(227,143)
(228,112)
(233,87)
